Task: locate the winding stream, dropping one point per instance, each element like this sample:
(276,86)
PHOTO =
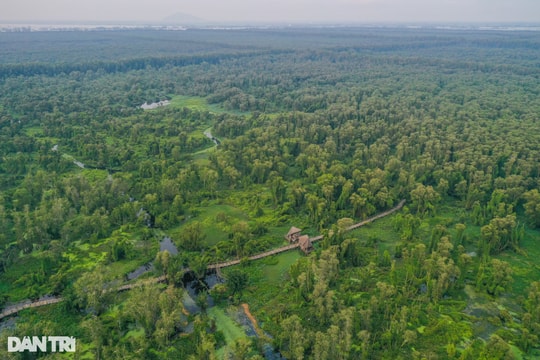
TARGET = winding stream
(209,135)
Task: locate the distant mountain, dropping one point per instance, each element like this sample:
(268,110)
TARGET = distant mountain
(182,19)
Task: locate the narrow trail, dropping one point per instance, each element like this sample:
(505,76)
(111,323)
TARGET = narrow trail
(15,308)
(252,319)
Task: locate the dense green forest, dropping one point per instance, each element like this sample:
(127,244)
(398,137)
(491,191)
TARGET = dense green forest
(266,129)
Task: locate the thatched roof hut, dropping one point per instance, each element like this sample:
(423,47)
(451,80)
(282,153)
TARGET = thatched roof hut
(293,234)
(305,243)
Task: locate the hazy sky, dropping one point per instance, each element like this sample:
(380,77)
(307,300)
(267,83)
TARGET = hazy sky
(274,10)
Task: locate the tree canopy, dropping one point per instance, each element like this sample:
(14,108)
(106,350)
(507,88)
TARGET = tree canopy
(266,129)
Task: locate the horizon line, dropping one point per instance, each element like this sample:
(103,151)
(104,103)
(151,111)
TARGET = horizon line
(164,22)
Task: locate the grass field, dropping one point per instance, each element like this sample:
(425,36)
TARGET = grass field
(275,268)
(33,131)
(525,265)
(217,218)
(200,104)
(267,277)
(214,229)
(229,328)
(190,102)
(382,230)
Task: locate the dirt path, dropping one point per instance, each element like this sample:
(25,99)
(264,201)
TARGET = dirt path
(252,319)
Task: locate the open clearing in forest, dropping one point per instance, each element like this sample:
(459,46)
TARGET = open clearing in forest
(231,330)
(200,104)
(525,266)
(215,220)
(383,231)
(275,268)
(190,102)
(267,277)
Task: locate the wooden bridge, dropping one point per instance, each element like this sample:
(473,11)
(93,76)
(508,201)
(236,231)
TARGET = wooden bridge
(254,257)
(312,239)
(10,310)
(378,216)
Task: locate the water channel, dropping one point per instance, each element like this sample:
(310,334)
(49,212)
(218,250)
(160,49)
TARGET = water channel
(194,287)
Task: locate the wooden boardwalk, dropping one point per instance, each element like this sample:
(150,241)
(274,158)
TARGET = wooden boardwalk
(254,257)
(378,216)
(312,239)
(10,310)
(296,245)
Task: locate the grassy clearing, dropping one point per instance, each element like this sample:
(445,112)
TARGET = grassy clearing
(215,230)
(200,104)
(448,215)
(266,278)
(201,157)
(33,131)
(525,265)
(120,268)
(382,230)
(190,102)
(275,269)
(68,157)
(275,235)
(230,329)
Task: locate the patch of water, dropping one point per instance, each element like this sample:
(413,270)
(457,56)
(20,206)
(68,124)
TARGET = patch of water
(139,271)
(212,280)
(271,354)
(250,328)
(164,245)
(189,303)
(167,245)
